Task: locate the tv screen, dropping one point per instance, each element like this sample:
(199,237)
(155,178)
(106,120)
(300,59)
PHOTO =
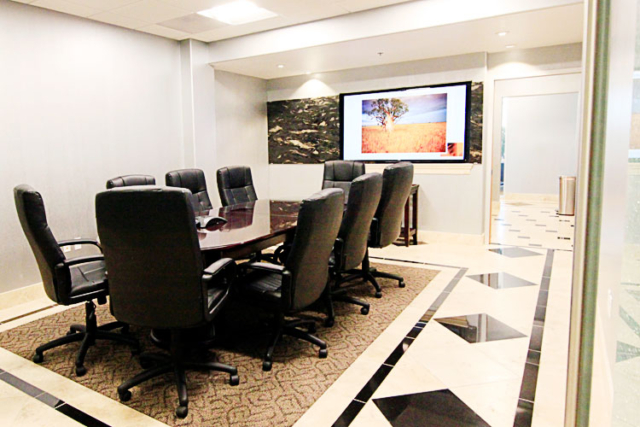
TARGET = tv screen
(419,124)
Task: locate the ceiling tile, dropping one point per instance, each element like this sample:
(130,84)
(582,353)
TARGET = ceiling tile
(195,5)
(169,33)
(103,4)
(193,23)
(122,21)
(359,5)
(315,13)
(239,30)
(24,1)
(66,7)
(151,11)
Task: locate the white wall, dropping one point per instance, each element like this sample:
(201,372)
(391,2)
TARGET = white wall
(80,102)
(541,139)
(448,203)
(241,129)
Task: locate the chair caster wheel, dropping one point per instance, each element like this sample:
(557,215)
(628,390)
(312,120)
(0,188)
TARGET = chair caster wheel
(323,353)
(182,411)
(81,370)
(266,365)
(329,322)
(378,294)
(364,310)
(70,332)
(124,396)
(38,358)
(401,284)
(234,380)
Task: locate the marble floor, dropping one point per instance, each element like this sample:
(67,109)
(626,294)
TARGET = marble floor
(485,344)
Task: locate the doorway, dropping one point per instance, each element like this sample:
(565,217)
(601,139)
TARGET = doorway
(537,142)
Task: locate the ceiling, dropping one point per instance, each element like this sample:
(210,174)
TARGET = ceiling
(176,19)
(544,27)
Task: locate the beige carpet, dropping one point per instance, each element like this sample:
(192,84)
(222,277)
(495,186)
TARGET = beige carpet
(276,398)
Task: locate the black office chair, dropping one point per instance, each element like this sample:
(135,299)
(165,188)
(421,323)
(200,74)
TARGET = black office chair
(129,180)
(67,281)
(194,181)
(351,245)
(156,276)
(235,185)
(302,280)
(387,222)
(340,173)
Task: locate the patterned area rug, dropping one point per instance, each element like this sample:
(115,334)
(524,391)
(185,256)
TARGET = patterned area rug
(276,398)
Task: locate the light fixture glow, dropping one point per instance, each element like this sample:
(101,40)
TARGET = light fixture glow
(308,72)
(510,46)
(502,33)
(237,13)
(280,66)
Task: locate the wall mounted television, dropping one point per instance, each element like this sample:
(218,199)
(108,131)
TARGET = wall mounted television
(417,124)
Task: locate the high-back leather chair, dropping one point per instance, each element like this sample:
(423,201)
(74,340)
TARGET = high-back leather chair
(66,281)
(340,173)
(156,276)
(235,185)
(387,222)
(194,181)
(302,280)
(351,245)
(129,180)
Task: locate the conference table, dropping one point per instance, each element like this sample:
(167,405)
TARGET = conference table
(250,227)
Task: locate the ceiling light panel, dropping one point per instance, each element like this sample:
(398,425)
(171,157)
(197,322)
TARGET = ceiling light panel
(238,12)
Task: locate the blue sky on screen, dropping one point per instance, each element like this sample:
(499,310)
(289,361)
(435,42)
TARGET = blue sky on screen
(422,109)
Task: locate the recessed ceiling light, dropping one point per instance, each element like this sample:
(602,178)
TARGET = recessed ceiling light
(238,12)
(308,72)
(510,46)
(280,66)
(502,33)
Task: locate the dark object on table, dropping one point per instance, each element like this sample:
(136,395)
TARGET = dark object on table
(340,173)
(288,289)
(130,180)
(194,181)
(67,281)
(351,245)
(209,221)
(157,279)
(387,222)
(235,185)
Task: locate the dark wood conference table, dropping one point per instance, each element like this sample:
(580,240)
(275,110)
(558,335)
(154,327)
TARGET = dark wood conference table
(250,227)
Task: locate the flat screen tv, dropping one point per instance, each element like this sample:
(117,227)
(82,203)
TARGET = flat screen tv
(417,124)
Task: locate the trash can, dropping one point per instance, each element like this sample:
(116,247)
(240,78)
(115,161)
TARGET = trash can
(567,196)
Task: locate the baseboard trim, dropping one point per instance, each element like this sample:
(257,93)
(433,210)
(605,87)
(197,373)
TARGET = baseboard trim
(453,238)
(22,295)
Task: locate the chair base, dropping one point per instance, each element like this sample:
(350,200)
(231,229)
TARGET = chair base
(159,364)
(88,334)
(366,266)
(291,328)
(338,294)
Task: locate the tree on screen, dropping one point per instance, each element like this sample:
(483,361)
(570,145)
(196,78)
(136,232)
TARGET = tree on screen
(387,111)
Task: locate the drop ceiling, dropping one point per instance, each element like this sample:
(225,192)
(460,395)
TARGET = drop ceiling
(177,19)
(539,28)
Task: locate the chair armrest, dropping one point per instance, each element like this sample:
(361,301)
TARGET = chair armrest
(374,232)
(264,266)
(225,266)
(81,241)
(82,260)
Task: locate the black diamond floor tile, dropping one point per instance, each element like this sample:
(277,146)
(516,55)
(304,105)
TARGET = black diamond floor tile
(514,252)
(439,408)
(475,328)
(626,352)
(501,280)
